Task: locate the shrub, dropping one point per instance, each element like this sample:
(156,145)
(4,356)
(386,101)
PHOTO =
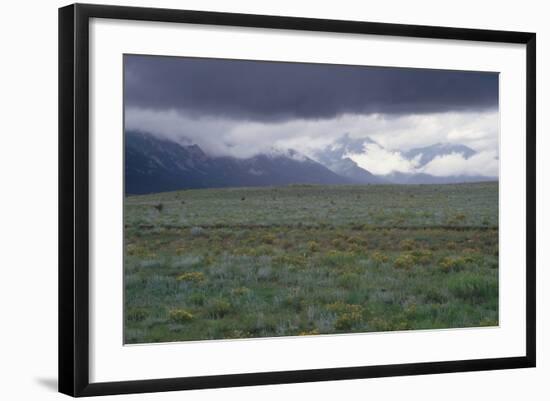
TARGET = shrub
(269,238)
(407,244)
(338,243)
(338,259)
(245,251)
(357,244)
(447,263)
(348,315)
(356,240)
(347,320)
(434,295)
(379,257)
(135,250)
(197,231)
(136,314)
(290,260)
(422,256)
(194,277)
(379,324)
(341,307)
(159,207)
(334,253)
(459,217)
(218,308)
(240,291)
(453,264)
(293,301)
(451,245)
(313,246)
(309,332)
(410,310)
(179,315)
(405,261)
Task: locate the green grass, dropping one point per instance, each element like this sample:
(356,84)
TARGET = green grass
(303,260)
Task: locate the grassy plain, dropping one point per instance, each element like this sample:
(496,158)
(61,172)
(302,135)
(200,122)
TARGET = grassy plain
(304,260)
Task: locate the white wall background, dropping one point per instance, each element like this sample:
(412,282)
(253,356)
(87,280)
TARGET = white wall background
(28,201)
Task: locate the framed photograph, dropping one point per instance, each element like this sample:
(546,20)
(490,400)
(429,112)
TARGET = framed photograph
(250,199)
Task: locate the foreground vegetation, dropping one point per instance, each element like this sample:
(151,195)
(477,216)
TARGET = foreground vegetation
(303,260)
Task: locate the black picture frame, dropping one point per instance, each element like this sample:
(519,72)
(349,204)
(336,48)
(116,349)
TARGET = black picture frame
(74,198)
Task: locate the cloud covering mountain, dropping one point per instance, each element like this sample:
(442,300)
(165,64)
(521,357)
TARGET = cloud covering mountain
(451,162)
(160,165)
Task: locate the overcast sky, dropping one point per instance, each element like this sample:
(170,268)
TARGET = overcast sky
(242,108)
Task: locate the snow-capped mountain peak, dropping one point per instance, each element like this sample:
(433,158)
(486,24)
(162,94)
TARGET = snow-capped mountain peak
(276,152)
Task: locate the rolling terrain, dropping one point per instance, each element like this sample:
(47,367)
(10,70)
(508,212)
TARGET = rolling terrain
(309,259)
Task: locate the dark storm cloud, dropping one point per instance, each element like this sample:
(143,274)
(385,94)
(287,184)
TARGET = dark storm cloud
(272,91)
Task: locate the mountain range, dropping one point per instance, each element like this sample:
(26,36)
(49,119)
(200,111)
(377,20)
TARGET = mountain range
(153,165)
